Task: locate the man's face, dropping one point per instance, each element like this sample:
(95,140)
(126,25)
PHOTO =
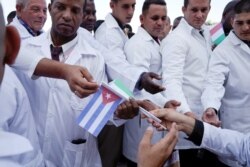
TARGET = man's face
(66,16)
(34,14)
(123,10)
(166,29)
(154,20)
(89,16)
(196,12)
(241,25)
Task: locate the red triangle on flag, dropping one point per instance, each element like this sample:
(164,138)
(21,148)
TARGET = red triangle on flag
(108,96)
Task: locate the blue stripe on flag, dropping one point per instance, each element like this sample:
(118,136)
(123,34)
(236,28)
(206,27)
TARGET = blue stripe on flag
(89,105)
(94,116)
(107,117)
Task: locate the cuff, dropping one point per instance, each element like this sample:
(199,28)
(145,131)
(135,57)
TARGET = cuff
(197,134)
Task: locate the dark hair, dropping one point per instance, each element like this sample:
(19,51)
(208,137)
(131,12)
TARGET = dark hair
(242,6)
(187,1)
(97,24)
(147,4)
(229,7)
(12,14)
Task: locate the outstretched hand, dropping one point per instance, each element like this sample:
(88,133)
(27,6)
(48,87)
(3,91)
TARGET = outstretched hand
(155,155)
(210,116)
(168,116)
(128,109)
(149,85)
(80,80)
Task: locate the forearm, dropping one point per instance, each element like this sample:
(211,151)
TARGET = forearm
(50,68)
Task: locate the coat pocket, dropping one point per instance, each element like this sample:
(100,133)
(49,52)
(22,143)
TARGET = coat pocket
(73,154)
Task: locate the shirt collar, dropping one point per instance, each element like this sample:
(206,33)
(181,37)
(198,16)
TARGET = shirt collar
(119,23)
(27,27)
(67,46)
(191,29)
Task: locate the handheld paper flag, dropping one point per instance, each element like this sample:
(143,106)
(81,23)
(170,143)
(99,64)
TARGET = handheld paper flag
(99,110)
(217,34)
(118,86)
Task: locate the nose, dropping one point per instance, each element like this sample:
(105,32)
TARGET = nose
(199,14)
(161,22)
(67,15)
(131,10)
(246,27)
(92,17)
(42,13)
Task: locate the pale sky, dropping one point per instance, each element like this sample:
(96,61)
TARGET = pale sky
(102,7)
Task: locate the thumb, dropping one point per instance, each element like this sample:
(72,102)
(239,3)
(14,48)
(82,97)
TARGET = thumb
(86,74)
(160,113)
(147,137)
(154,75)
(176,103)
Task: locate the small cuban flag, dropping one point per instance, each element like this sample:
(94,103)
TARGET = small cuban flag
(101,107)
(217,34)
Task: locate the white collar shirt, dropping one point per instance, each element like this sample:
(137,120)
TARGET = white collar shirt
(185,58)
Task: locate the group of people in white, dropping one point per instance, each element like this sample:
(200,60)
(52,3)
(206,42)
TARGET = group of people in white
(180,76)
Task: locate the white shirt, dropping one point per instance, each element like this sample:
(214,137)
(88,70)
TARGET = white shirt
(24,62)
(16,117)
(228,84)
(113,38)
(143,51)
(185,58)
(23,32)
(55,109)
(227,143)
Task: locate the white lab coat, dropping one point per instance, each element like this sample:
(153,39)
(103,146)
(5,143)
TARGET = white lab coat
(23,32)
(24,62)
(53,104)
(16,117)
(143,51)
(185,58)
(227,86)
(110,35)
(227,143)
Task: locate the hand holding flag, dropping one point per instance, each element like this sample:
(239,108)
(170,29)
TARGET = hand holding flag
(103,105)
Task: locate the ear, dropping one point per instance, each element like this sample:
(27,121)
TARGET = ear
(19,9)
(12,44)
(183,9)
(111,4)
(141,19)
(232,21)
(49,7)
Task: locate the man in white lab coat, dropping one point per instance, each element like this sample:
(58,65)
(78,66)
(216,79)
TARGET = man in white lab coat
(185,57)
(227,84)
(30,17)
(55,107)
(15,116)
(111,35)
(143,51)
